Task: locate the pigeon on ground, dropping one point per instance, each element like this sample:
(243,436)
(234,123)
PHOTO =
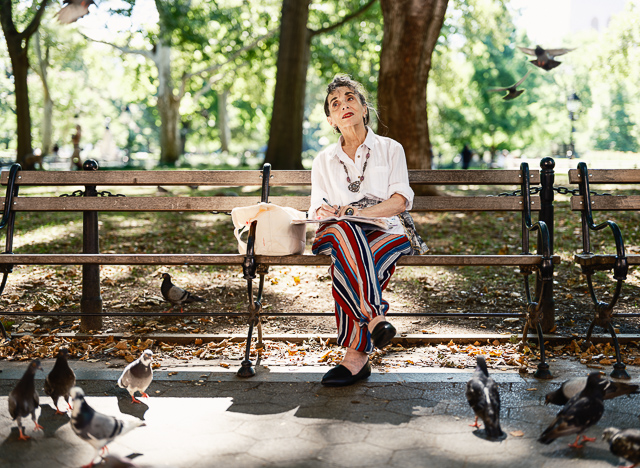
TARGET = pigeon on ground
(24,400)
(512,91)
(74,10)
(113,461)
(582,411)
(545,57)
(175,294)
(137,376)
(60,380)
(624,443)
(482,395)
(96,428)
(574,386)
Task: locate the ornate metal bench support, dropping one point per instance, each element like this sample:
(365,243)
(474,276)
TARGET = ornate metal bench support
(603,311)
(544,273)
(250,267)
(8,221)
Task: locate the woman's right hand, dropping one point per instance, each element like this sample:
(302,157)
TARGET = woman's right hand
(325,211)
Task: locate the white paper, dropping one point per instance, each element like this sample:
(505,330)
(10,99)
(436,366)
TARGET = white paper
(379,222)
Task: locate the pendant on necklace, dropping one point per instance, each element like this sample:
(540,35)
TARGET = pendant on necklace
(354,186)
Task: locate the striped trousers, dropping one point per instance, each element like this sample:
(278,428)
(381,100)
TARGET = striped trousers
(363,261)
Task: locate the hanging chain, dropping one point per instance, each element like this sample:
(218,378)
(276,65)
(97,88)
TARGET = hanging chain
(80,193)
(535,190)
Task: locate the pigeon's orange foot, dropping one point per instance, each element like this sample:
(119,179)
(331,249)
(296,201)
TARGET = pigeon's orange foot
(144,395)
(475,424)
(576,444)
(588,439)
(38,426)
(22,436)
(88,465)
(133,400)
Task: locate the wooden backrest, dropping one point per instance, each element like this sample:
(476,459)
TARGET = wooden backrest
(104,179)
(606,177)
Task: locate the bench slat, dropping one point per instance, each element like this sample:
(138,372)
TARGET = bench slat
(608,203)
(437,177)
(237,259)
(220,203)
(603,260)
(250,178)
(105,177)
(607,176)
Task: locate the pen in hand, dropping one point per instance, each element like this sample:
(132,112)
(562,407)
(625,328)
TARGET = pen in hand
(327,202)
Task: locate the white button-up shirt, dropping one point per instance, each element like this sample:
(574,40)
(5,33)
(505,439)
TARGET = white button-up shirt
(386,174)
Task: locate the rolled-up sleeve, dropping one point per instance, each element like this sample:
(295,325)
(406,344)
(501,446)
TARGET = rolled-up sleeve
(399,175)
(318,186)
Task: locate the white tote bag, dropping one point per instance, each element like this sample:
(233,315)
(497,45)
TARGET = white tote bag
(275,235)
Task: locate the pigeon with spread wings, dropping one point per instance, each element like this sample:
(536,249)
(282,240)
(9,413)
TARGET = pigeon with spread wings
(545,57)
(512,91)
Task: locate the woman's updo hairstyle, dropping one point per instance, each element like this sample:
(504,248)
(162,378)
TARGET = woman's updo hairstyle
(345,80)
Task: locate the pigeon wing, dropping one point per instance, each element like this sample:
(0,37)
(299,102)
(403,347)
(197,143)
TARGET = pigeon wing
(556,52)
(72,12)
(626,444)
(176,294)
(527,50)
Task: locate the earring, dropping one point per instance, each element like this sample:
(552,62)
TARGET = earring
(335,129)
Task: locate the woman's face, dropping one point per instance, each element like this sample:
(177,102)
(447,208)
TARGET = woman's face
(345,108)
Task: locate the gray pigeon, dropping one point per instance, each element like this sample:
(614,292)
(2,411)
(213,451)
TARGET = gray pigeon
(175,294)
(96,428)
(574,386)
(24,400)
(60,380)
(482,395)
(512,91)
(624,443)
(581,412)
(137,376)
(74,10)
(545,57)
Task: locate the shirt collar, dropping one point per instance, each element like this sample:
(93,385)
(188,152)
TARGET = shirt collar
(369,141)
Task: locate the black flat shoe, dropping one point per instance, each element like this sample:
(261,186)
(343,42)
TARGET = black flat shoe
(382,334)
(340,376)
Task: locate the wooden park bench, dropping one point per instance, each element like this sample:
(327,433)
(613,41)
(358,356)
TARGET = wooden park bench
(586,202)
(91,201)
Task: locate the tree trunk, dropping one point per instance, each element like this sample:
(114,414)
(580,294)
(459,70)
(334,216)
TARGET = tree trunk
(285,136)
(168,108)
(411,29)
(47,117)
(223,120)
(18,44)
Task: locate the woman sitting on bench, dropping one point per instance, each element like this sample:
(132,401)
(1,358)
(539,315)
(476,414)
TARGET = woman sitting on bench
(362,175)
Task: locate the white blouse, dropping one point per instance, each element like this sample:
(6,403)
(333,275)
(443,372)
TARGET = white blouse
(386,174)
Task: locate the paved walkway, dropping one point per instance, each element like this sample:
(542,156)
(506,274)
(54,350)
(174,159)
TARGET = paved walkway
(282,417)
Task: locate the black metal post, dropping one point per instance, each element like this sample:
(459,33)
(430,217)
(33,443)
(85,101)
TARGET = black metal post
(547,178)
(91,302)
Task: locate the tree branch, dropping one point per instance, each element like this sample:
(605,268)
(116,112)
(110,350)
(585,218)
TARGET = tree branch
(35,22)
(344,20)
(214,79)
(124,50)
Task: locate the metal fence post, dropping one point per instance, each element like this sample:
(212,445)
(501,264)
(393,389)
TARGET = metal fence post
(91,302)
(547,178)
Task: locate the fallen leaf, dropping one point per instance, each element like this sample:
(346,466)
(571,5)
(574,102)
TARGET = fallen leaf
(532,389)
(516,433)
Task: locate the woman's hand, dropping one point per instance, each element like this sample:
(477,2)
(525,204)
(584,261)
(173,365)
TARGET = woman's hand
(342,211)
(326,211)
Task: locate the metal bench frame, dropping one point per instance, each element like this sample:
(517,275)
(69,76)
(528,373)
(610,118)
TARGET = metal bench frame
(539,303)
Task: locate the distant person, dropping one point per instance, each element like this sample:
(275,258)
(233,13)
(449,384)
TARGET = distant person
(466,156)
(76,162)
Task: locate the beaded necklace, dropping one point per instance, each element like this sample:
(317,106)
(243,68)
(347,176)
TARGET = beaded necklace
(355,186)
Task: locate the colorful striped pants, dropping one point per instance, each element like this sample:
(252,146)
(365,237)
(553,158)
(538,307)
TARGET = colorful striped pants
(363,261)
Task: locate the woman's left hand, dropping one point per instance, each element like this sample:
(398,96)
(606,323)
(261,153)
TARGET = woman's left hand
(343,211)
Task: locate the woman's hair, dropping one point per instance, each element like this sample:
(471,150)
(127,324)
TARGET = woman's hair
(345,80)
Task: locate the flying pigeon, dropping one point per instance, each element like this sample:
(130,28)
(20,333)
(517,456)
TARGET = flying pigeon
(175,294)
(96,428)
(137,376)
(24,400)
(74,10)
(582,411)
(544,57)
(60,380)
(512,91)
(624,443)
(482,395)
(574,386)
